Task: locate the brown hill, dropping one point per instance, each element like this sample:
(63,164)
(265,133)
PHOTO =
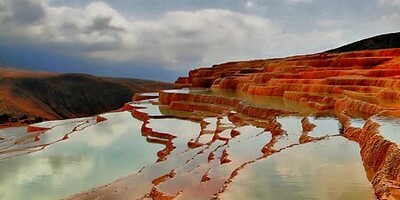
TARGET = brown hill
(385,41)
(36,96)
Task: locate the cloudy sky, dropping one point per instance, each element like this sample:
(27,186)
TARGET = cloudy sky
(163,39)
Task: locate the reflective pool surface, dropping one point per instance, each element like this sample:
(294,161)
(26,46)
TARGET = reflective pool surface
(329,169)
(389,128)
(154,150)
(94,156)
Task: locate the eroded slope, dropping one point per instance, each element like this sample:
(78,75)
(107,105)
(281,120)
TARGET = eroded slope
(32,96)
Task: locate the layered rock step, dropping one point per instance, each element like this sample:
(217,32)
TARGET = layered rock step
(369,78)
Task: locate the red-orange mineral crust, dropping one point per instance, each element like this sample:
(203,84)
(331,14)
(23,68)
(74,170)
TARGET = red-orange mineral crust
(357,84)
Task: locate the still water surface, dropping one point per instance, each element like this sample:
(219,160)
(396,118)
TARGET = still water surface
(99,153)
(329,169)
(96,155)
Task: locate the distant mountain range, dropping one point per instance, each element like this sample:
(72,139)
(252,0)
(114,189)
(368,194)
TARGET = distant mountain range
(386,41)
(35,96)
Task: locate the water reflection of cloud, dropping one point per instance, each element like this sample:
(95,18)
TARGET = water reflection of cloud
(291,124)
(183,129)
(79,163)
(389,128)
(324,126)
(324,171)
(117,124)
(29,175)
(55,123)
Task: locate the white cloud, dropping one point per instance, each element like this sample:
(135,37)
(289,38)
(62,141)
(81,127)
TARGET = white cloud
(249,4)
(329,23)
(201,36)
(390,22)
(390,2)
(298,1)
(254,7)
(96,24)
(179,40)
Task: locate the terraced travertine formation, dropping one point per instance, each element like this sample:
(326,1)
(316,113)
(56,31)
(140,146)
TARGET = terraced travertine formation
(268,129)
(354,84)
(207,149)
(257,111)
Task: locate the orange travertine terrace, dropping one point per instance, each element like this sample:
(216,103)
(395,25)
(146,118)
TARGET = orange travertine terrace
(352,84)
(364,82)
